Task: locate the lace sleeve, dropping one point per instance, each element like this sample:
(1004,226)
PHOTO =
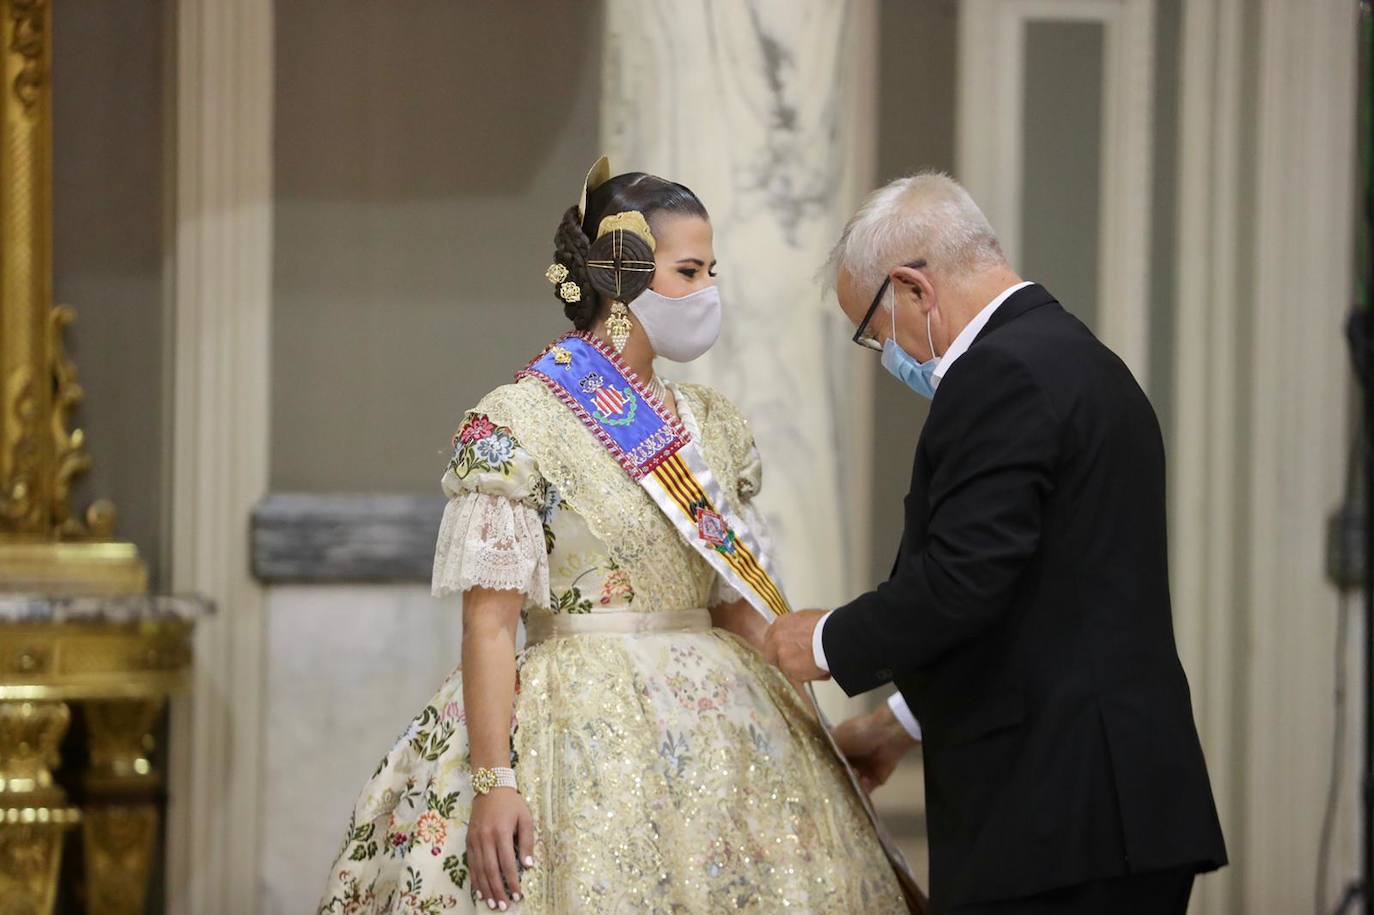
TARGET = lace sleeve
(491,541)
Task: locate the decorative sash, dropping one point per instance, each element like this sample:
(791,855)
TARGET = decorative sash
(655,450)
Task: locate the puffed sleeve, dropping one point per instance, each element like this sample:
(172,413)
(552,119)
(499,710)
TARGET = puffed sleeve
(491,535)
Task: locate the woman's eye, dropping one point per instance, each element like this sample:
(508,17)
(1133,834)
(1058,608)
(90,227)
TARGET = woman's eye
(713,274)
(688,272)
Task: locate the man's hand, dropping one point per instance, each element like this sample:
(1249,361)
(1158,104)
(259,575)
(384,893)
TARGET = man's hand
(873,743)
(787,645)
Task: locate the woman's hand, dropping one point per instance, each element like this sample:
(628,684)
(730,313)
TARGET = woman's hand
(500,829)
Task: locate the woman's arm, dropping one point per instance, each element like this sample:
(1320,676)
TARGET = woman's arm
(740,618)
(501,817)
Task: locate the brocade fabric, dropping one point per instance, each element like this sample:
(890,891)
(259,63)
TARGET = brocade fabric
(666,772)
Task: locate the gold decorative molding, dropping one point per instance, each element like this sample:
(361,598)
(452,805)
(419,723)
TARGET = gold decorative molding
(69,448)
(29,41)
(91,661)
(41,457)
(30,736)
(30,858)
(119,844)
(33,810)
(121,819)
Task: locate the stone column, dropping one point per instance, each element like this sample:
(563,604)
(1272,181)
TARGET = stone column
(766,110)
(222,314)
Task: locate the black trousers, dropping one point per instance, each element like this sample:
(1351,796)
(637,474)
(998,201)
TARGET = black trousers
(1158,893)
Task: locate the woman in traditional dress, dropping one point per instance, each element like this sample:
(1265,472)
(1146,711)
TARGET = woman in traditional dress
(638,755)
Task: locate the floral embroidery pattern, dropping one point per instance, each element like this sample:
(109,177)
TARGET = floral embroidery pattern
(431,829)
(481,446)
(547,501)
(571,601)
(617,587)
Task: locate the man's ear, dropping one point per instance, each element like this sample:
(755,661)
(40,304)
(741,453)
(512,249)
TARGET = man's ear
(914,282)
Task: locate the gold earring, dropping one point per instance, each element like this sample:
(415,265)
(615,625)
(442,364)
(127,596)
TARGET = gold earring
(619,325)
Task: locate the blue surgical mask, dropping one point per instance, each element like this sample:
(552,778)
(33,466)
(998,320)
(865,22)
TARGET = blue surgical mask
(919,376)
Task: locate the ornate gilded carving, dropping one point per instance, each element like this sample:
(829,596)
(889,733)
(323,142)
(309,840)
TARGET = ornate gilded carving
(88,661)
(40,456)
(121,738)
(33,811)
(30,857)
(120,828)
(120,658)
(20,506)
(69,448)
(30,735)
(119,842)
(28,41)
(25,268)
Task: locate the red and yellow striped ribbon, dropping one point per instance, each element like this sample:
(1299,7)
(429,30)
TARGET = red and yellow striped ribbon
(685,491)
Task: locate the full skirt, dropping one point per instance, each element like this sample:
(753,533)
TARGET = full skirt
(666,773)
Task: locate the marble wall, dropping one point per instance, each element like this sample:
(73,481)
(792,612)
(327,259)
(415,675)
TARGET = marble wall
(765,109)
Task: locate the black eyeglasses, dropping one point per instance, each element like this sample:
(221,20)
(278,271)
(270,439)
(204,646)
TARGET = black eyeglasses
(862,336)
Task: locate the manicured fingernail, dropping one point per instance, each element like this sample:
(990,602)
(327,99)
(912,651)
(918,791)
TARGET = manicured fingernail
(501,906)
(529,860)
(515,897)
(491,904)
(478,894)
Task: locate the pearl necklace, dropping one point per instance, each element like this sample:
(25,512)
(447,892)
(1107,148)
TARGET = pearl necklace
(658,390)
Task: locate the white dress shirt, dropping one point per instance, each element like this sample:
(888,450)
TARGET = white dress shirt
(956,349)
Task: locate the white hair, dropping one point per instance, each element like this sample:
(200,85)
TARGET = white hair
(927,216)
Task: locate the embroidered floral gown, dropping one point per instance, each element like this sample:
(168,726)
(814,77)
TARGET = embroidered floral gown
(671,772)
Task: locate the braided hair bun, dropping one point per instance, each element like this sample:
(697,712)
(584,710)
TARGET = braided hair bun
(620,266)
(602,269)
(571,248)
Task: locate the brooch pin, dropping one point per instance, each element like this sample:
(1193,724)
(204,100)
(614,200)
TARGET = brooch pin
(713,529)
(561,356)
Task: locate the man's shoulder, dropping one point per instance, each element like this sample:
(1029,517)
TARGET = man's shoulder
(1049,344)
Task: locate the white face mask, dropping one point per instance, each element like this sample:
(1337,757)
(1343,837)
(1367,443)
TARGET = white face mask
(679,329)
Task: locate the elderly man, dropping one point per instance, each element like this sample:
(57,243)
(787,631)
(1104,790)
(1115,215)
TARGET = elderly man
(1026,621)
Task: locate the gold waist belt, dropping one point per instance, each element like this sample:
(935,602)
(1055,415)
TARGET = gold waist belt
(541,626)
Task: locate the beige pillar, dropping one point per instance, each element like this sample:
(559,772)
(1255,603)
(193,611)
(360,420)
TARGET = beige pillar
(222,298)
(1264,280)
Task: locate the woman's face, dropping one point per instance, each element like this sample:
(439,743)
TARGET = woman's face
(684,261)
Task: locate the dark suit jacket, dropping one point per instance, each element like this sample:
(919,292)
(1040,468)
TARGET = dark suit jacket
(1027,623)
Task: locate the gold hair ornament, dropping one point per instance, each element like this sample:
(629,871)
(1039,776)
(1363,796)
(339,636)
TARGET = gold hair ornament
(616,225)
(628,221)
(570,292)
(556,273)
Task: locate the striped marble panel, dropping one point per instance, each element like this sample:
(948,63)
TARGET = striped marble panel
(345,537)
